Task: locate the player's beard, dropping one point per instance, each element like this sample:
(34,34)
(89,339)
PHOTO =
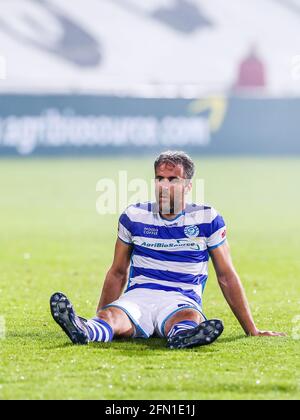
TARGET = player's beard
(167,207)
(170,203)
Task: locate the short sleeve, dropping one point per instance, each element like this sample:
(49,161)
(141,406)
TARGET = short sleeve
(124,229)
(218,232)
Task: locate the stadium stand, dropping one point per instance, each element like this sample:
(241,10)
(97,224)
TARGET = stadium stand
(149,48)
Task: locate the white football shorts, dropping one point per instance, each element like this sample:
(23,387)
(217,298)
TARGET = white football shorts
(149,310)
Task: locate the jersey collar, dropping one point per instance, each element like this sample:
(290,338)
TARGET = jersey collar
(175,218)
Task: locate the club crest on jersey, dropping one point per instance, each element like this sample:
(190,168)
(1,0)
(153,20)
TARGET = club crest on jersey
(192,231)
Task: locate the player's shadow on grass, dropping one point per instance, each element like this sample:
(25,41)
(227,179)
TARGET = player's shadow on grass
(232,339)
(128,344)
(160,344)
(122,344)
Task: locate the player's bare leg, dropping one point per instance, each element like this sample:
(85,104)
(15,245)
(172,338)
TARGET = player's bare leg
(188,328)
(118,320)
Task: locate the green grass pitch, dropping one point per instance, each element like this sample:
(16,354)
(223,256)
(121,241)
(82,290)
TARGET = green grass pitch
(51,239)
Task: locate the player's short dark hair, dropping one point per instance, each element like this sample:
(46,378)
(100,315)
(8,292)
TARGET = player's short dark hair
(177,158)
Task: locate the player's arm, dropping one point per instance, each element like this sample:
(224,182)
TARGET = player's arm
(117,275)
(234,292)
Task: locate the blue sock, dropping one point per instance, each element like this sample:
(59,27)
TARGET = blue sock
(181,327)
(99,331)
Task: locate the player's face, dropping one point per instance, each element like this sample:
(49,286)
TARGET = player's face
(171,185)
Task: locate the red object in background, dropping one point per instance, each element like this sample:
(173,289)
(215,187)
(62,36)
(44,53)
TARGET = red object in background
(252,73)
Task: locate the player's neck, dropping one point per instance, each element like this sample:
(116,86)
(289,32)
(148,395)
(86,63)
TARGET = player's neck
(173,215)
(170,217)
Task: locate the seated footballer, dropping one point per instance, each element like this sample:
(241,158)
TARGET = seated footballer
(162,254)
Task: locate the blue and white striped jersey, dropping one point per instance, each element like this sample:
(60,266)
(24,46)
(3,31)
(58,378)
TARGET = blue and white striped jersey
(171,255)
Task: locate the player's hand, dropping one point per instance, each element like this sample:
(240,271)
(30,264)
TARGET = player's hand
(267,334)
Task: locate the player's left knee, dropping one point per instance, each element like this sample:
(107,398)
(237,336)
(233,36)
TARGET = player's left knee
(184,315)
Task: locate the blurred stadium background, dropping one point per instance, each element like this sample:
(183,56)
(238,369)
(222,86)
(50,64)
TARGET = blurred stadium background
(121,80)
(111,76)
